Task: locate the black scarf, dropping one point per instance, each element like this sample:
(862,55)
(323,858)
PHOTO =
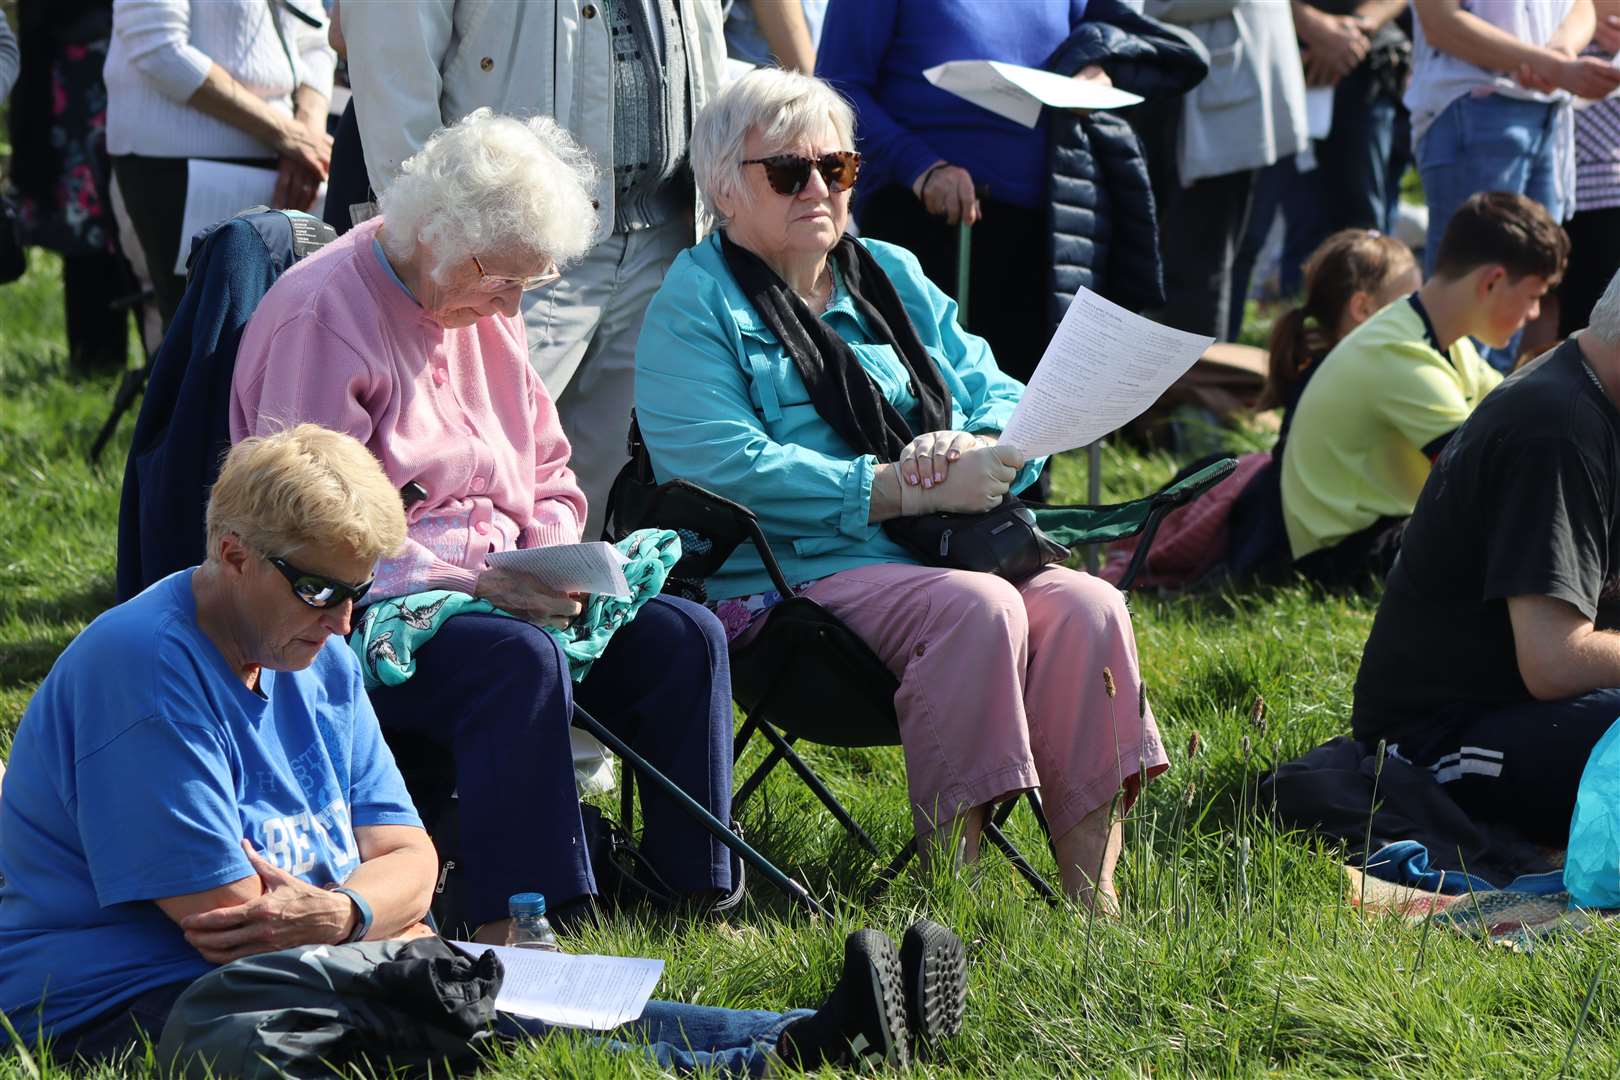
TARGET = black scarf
(999,541)
(841,390)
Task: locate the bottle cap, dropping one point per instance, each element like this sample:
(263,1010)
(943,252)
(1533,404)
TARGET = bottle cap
(526,903)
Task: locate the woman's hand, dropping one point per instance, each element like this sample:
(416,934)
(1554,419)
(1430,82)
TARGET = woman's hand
(976,483)
(926,460)
(1334,45)
(517,592)
(305,150)
(947,191)
(289,912)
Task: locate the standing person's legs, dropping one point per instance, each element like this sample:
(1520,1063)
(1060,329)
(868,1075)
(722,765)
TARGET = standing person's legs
(1202,227)
(1353,162)
(1490,143)
(958,642)
(894,215)
(664,686)
(1088,743)
(98,333)
(1519,764)
(494,693)
(582,343)
(1594,254)
(154,193)
(1270,198)
(1007,280)
(348,182)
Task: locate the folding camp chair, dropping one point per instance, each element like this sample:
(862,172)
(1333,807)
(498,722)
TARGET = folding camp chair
(804,674)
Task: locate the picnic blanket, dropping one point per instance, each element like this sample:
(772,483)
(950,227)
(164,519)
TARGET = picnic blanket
(1510,919)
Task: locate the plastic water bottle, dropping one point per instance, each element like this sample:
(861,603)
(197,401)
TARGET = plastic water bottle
(530,930)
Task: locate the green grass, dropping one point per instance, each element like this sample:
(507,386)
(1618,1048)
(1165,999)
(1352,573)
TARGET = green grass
(1235,955)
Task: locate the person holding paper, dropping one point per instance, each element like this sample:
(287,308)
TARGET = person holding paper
(405,333)
(218,80)
(1063,203)
(1002,686)
(229,794)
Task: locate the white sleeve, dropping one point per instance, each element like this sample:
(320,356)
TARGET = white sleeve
(396,53)
(316,60)
(157,37)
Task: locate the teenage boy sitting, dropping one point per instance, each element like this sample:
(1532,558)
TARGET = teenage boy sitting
(1385,400)
(1485,662)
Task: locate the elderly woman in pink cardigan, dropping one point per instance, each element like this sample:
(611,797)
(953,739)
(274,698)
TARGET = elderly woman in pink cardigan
(405,333)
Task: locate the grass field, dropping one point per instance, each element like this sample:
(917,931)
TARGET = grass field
(1235,954)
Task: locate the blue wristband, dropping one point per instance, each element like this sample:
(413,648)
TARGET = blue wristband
(363,909)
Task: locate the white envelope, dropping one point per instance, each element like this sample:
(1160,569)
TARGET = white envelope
(1019,92)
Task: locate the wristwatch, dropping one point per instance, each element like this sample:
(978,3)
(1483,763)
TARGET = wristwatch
(362,925)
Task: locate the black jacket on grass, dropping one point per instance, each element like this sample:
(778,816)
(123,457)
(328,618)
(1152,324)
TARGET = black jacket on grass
(1104,231)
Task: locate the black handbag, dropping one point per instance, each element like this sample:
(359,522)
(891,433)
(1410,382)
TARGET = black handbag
(1006,541)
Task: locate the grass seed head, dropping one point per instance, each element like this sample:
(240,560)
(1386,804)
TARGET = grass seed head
(1257,715)
(1192,745)
(1187,796)
(1108,681)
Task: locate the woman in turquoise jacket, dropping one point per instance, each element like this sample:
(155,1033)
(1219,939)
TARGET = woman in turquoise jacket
(1001,684)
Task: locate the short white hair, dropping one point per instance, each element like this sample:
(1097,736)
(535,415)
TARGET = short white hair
(782,106)
(489,184)
(1605,319)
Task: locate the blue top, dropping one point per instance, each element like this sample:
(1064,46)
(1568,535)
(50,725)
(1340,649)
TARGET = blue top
(875,52)
(140,765)
(721,404)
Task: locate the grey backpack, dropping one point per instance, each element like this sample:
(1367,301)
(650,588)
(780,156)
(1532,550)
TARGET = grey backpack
(313,1010)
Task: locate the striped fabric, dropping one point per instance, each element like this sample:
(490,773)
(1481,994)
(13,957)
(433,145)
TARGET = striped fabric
(1597,155)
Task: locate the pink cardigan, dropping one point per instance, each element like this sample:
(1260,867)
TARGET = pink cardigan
(337,342)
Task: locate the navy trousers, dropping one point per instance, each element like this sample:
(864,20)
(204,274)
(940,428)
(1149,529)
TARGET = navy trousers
(493,693)
(1519,763)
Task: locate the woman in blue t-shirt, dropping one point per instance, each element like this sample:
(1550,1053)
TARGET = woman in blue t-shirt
(201,778)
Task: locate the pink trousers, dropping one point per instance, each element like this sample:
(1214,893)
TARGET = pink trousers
(1002,687)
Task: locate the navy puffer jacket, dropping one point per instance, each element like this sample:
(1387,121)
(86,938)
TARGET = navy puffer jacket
(1104,233)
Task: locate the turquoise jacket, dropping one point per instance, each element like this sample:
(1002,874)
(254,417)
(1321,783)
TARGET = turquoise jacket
(721,405)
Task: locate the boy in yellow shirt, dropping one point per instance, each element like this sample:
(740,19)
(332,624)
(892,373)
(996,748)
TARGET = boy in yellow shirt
(1385,400)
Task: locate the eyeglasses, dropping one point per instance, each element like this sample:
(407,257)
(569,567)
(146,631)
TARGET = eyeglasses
(789,173)
(318,590)
(496,283)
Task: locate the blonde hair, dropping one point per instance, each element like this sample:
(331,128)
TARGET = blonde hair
(303,487)
(781,105)
(489,184)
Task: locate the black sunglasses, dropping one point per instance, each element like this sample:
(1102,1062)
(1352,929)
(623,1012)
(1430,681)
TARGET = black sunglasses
(318,590)
(788,173)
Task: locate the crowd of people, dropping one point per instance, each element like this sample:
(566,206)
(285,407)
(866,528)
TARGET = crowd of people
(553,217)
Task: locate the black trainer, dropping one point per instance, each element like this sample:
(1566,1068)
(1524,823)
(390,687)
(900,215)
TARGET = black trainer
(863,1020)
(933,969)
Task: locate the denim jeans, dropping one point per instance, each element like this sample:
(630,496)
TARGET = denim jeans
(687,1038)
(1488,143)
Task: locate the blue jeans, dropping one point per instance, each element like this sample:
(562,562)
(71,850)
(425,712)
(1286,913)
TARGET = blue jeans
(1490,143)
(686,1038)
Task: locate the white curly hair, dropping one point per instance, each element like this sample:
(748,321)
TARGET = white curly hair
(1605,319)
(491,183)
(782,106)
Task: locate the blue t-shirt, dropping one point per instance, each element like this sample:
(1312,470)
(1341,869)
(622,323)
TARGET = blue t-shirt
(875,52)
(140,765)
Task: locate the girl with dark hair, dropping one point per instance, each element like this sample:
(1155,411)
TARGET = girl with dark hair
(1238,528)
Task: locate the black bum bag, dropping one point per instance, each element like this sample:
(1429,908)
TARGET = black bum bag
(1006,541)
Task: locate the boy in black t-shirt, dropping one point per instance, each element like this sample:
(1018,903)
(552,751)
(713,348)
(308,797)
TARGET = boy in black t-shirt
(1485,661)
